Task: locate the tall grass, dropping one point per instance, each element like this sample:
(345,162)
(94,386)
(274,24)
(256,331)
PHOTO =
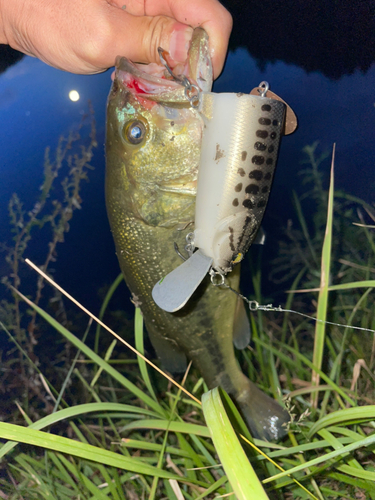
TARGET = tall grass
(139,436)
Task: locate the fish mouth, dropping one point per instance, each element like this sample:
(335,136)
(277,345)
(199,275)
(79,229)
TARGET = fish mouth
(148,81)
(153,82)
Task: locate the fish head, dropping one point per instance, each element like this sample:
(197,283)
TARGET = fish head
(154,135)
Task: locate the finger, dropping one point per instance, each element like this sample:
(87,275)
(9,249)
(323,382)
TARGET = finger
(209,14)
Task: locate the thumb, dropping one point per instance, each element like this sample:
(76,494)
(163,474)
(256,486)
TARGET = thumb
(138,39)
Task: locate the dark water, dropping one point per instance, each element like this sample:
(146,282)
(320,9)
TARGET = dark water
(319,57)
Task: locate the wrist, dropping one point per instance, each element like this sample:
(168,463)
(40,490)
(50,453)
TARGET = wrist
(14,15)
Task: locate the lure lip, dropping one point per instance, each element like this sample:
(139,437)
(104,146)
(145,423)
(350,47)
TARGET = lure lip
(174,290)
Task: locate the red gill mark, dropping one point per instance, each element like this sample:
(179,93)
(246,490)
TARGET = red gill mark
(133,84)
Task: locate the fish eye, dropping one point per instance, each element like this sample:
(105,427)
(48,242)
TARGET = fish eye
(135,132)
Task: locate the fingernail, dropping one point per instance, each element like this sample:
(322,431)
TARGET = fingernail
(179,42)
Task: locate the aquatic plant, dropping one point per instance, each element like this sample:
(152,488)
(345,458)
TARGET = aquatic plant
(351,267)
(126,441)
(59,197)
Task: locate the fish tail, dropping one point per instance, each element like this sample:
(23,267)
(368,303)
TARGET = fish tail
(264,416)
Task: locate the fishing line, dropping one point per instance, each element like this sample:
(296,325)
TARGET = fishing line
(103,325)
(217,279)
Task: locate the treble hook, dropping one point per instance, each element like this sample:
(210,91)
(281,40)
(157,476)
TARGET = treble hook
(192,92)
(177,250)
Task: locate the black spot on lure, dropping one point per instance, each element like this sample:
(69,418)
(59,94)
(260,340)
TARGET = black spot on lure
(239,151)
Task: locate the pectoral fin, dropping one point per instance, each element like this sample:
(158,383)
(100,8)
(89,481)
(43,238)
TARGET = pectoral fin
(171,357)
(241,326)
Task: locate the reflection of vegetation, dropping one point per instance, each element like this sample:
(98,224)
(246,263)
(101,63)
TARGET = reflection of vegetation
(52,212)
(287,31)
(139,446)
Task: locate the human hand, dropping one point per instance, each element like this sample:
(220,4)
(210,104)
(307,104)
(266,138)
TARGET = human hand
(85,36)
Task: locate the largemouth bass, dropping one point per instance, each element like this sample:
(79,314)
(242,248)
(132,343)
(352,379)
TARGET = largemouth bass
(153,148)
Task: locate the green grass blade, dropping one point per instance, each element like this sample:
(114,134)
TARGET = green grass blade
(342,286)
(353,415)
(81,478)
(97,359)
(336,454)
(213,487)
(105,303)
(86,451)
(35,479)
(163,425)
(138,331)
(238,469)
(307,362)
(146,445)
(335,444)
(355,284)
(75,411)
(303,223)
(352,467)
(58,461)
(320,327)
(358,483)
(107,357)
(71,369)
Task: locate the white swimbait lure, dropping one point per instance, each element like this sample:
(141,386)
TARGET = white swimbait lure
(239,151)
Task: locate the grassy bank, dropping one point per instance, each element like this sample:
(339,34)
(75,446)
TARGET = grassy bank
(111,427)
